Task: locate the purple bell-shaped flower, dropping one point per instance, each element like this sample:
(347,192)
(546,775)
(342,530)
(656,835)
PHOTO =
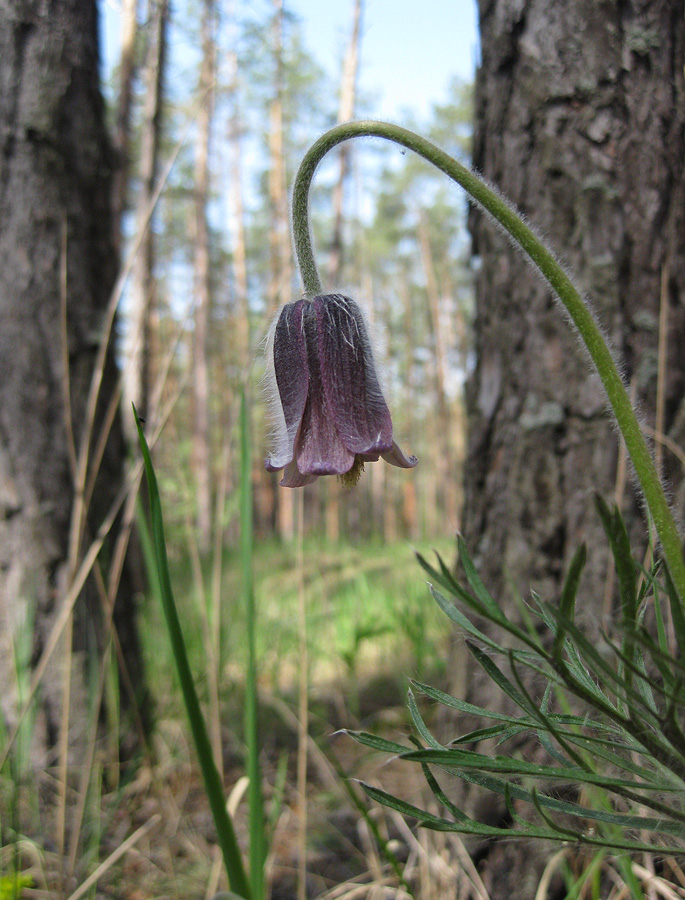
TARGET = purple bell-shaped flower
(330,413)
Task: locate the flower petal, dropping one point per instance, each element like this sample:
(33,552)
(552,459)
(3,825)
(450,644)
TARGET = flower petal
(318,447)
(397,458)
(353,395)
(293,478)
(287,380)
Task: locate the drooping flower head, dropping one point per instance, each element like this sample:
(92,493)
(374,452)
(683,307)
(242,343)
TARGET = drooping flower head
(329,410)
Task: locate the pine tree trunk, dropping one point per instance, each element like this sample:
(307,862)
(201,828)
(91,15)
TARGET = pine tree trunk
(445,499)
(137,373)
(241,310)
(201,440)
(57,272)
(280,275)
(122,131)
(580,121)
(348,95)
(348,90)
(410,518)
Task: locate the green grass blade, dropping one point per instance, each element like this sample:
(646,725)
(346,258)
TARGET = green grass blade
(148,551)
(626,866)
(213,786)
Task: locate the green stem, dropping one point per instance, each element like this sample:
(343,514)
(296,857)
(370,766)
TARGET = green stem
(544,260)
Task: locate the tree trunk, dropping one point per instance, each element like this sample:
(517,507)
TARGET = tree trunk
(137,373)
(241,310)
(280,275)
(348,94)
(580,121)
(122,130)
(57,272)
(445,498)
(409,500)
(348,90)
(201,442)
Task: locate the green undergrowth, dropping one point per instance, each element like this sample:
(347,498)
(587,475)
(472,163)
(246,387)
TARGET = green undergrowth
(368,621)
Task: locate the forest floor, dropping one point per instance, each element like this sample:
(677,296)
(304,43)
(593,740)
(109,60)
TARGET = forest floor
(144,829)
(371,625)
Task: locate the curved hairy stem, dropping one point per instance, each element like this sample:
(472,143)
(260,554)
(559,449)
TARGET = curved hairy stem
(544,260)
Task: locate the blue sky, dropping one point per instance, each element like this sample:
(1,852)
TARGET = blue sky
(408,57)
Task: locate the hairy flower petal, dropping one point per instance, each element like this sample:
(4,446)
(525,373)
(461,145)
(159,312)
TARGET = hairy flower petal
(353,395)
(318,447)
(287,380)
(331,416)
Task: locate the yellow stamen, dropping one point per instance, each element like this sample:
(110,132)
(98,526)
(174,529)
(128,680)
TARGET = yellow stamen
(351,477)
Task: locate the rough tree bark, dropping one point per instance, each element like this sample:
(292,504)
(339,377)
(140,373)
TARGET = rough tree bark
(580,121)
(122,128)
(56,236)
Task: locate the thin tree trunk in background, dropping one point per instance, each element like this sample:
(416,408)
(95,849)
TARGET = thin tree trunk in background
(122,133)
(137,373)
(241,310)
(332,510)
(445,482)
(57,159)
(201,438)
(348,87)
(580,121)
(376,479)
(409,512)
(281,269)
(240,343)
(455,335)
(348,93)
(390,530)
(279,234)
